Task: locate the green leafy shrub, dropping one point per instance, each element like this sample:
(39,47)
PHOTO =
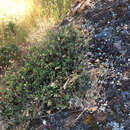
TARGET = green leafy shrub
(8,54)
(42,81)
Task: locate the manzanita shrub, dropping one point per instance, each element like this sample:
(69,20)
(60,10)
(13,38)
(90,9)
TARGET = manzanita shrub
(41,85)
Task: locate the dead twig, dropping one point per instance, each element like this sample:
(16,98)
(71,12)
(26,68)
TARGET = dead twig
(64,86)
(79,116)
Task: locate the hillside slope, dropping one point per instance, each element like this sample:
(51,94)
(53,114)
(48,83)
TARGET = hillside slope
(103,104)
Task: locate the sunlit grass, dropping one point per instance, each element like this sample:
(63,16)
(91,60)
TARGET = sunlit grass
(15,9)
(13,13)
(31,18)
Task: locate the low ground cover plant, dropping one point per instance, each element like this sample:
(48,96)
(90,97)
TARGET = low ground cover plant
(50,75)
(8,55)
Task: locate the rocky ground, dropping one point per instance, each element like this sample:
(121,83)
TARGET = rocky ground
(105,104)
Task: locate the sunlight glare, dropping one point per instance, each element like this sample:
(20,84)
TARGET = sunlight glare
(16,9)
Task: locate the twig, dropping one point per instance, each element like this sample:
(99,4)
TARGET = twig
(39,127)
(79,116)
(66,83)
